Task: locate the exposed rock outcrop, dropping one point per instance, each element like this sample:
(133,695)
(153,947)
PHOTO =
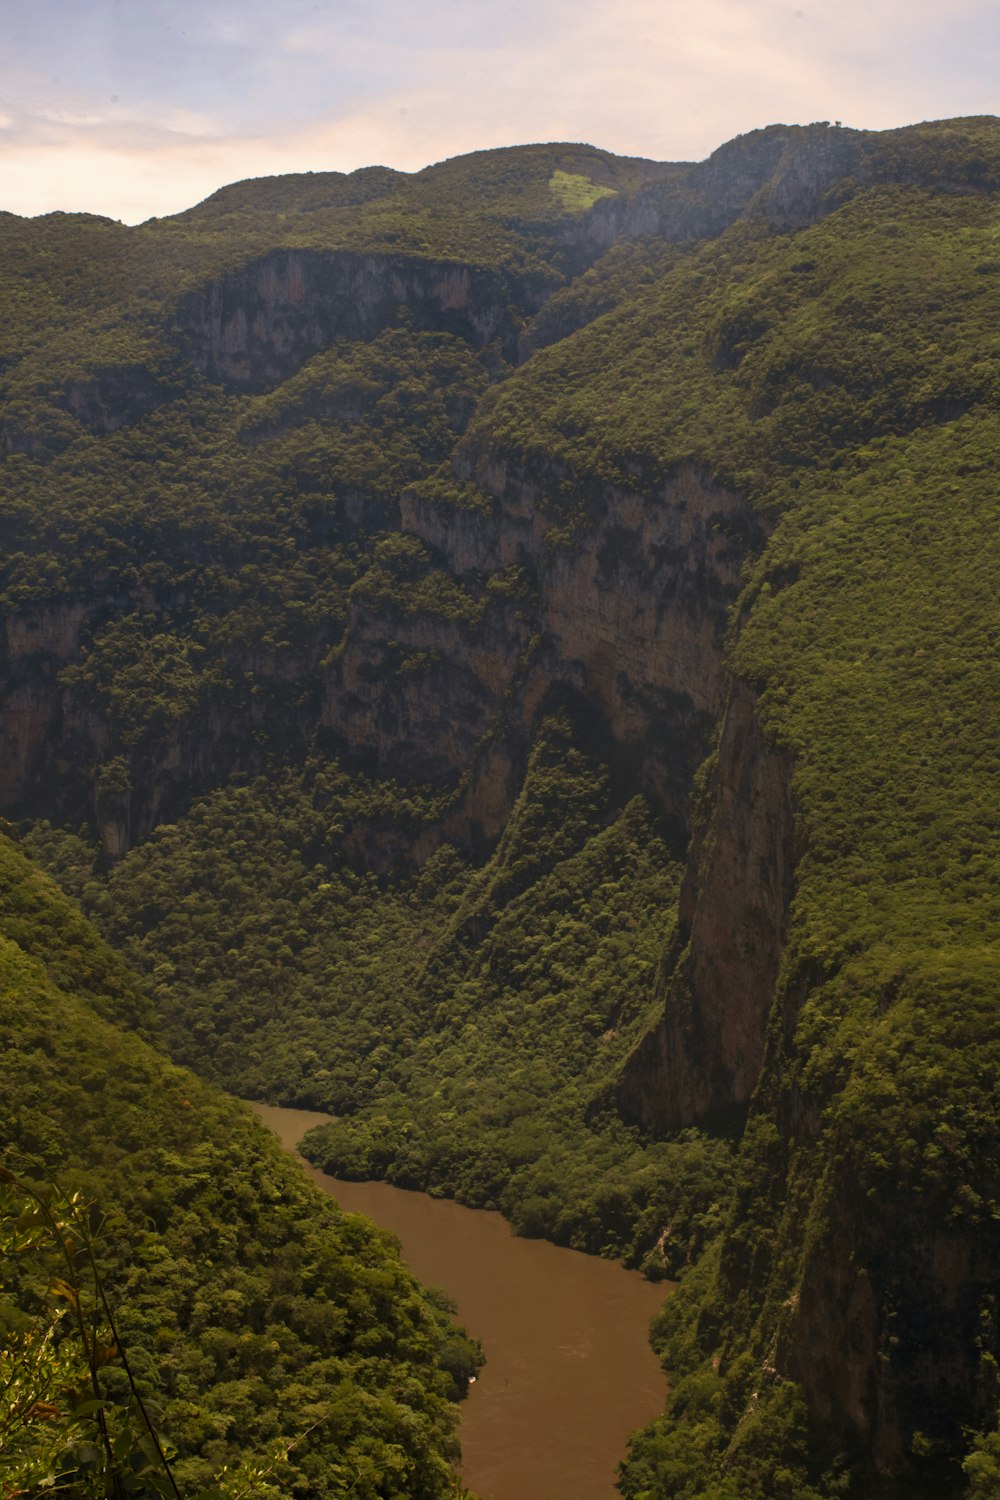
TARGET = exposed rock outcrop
(36,643)
(891,1328)
(702,1062)
(784,173)
(627,618)
(255,326)
(61,755)
(114,396)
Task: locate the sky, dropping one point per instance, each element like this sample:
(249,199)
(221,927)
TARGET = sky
(136,108)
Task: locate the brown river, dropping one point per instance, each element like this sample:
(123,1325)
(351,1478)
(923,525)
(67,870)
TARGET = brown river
(569,1370)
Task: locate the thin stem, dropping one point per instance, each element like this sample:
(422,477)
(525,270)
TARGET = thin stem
(153,1434)
(56,1231)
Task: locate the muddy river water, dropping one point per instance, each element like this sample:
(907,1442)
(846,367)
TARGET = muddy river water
(569,1370)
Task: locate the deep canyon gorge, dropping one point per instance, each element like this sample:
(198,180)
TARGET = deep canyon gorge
(505,656)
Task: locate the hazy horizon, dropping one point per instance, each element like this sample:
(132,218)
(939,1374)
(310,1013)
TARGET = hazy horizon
(135,110)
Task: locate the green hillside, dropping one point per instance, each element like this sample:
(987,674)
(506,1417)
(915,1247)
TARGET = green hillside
(257,1320)
(506,655)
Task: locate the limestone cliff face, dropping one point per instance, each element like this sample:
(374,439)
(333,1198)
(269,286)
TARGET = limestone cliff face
(784,173)
(108,397)
(114,396)
(415,693)
(885,1314)
(61,755)
(256,326)
(891,1330)
(702,1062)
(36,643)
(627,619)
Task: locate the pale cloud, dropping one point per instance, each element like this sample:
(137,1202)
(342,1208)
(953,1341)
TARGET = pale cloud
(147,117)
(135,176)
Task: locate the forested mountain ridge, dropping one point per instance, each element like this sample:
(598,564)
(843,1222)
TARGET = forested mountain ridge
(537,618)
(272,1336)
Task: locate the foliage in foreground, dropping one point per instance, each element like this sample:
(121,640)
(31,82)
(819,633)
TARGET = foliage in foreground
(60,1432)
(254,1314)
(845,378)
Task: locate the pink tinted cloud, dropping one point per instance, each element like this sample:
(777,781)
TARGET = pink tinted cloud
(406,84)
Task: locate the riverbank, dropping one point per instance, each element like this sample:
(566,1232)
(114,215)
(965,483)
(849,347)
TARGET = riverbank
(569,1370)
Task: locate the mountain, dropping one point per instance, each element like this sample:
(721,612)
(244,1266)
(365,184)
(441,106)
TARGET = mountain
(273,1337)
(536,617)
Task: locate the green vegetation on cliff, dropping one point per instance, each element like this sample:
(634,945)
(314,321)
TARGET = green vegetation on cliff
(466,1024)
(847,378)
(254,1315)
(328,625)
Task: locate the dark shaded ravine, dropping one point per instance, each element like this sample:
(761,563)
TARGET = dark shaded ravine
(569,1370)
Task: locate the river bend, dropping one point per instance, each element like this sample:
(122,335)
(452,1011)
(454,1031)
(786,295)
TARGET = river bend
(569,1370)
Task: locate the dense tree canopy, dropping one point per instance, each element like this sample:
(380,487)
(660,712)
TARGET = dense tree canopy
(363,804)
